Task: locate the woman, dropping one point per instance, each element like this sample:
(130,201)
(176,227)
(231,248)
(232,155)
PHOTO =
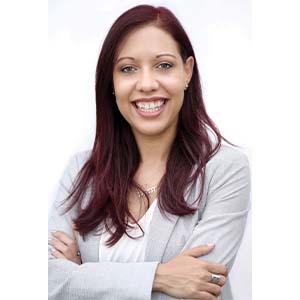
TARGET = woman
(157,209)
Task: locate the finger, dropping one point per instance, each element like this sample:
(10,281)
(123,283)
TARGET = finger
(216,268)
(58,245)
(206,296)
(213,288)
(62,236)
(208,279)
(221,281)
(57,254)
(198,251)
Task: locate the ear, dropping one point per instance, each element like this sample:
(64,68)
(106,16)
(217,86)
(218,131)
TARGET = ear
(189,67)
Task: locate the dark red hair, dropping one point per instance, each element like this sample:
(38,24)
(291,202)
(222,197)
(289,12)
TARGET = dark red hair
(114,160)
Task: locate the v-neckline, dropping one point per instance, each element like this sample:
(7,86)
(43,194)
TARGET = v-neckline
(147,212)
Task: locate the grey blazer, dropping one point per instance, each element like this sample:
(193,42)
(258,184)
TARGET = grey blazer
(221,220)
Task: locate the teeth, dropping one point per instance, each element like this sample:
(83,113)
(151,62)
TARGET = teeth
(150,106)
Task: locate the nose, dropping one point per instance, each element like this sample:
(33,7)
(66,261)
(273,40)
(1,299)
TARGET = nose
(147,82)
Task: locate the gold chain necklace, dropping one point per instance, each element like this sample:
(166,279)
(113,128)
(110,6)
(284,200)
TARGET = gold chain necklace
(148,191)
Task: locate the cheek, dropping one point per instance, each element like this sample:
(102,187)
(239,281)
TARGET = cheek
(124,110)
(123,106)
(123,90)
(174,85)
(123,86)
(175,88)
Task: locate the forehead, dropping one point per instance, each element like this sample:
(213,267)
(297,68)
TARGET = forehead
(147,41)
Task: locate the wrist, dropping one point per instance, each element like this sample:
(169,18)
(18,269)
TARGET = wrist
(158,283)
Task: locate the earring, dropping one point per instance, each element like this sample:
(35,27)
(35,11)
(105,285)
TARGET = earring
(113,92)
(186,86)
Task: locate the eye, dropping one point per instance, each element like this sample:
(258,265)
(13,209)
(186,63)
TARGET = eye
(165,66)
(127,69)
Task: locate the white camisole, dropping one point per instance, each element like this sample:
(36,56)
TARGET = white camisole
(128,249)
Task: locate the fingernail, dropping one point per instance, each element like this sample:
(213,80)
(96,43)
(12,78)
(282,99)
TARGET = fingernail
(53,231)
(210,245)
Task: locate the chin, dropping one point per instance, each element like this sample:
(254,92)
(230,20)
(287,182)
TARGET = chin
(148,132)
(152,130)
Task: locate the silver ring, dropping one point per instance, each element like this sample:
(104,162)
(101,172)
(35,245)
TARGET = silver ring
(215,278)
(78,253)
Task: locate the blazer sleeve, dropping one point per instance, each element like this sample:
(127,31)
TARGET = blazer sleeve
(223,219)
(92,280)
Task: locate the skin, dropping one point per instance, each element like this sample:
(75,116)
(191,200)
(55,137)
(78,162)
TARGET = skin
(146,75)
(148,63)
(64,246)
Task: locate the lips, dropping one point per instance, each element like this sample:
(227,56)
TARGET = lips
(156,98)
(149,106)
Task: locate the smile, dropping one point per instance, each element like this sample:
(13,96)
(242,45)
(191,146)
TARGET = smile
(150,108)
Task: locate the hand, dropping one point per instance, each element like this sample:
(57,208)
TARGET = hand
(187,276)
(65,247)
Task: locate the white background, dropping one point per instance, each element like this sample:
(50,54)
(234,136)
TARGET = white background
(37,130)
(220,32)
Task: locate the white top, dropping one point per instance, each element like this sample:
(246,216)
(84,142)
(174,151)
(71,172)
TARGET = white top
(128,249)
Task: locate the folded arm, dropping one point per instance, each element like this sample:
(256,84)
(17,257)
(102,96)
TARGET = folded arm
(222,223)
(92,280)
(224,217)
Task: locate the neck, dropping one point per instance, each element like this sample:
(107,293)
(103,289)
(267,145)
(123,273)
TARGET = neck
(154,150)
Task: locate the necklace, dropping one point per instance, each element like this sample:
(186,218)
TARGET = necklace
(148,191)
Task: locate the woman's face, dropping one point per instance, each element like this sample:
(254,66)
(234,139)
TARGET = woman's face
(149,79)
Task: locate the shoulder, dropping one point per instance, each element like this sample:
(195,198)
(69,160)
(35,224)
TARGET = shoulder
(228,155)
(228,165)
(81,157)
(69,175)
(77,161)
(73,166)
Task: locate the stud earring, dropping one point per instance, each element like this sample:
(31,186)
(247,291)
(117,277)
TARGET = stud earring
(186,86)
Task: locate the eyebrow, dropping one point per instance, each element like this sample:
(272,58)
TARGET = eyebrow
(157,56)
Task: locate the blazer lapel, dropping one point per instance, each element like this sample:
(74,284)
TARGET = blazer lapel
(161,229)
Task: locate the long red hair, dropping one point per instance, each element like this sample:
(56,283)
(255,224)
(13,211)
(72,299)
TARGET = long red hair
(114,159)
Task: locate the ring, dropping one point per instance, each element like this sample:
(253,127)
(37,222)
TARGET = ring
(215,278)
(78,253)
